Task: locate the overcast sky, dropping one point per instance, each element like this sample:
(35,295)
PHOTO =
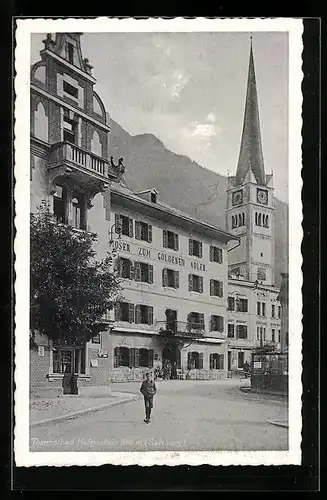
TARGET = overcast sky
(189,89)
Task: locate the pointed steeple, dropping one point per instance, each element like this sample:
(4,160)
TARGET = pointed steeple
(251,157)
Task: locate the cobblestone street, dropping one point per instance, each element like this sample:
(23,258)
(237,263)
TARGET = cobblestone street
(187,415)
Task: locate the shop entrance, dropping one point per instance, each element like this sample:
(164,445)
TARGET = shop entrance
(171,361)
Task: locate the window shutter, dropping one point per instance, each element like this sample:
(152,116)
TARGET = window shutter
(131,313)
(137,271)
(150,358)
(164,277)
(165,238)
(131,357)
(117,311)
(176,279)
(150,273)
(118,266)
(137,230)
(200,250)
(220,289)
(117,223)
(175,241)
(137,314)
(211,324)
(116,357)
(221,362)
(131,270)
(211,362)
(130,230)
(212,287)
(201,285)
(189,366)
(220,324)
(190,282)
(149,233)
(201,361)
(150,315)
(190,246)
(212,253)
(201,318)
(136,358)
(220,255)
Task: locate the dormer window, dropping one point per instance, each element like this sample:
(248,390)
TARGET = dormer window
(70,52)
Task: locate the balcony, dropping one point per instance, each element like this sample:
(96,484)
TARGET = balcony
(180,329)
(86,168)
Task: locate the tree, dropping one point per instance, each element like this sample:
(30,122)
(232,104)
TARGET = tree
(70,290)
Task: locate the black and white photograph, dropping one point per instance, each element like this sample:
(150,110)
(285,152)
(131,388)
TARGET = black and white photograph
(158,304)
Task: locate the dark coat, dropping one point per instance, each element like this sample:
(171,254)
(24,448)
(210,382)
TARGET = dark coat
(148,389)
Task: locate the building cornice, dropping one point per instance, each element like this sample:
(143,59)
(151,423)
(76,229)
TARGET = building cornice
(68,65)
(76,110)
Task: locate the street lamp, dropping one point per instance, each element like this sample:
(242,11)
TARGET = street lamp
(119,230)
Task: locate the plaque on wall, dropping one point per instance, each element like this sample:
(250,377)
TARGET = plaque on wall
(237,197)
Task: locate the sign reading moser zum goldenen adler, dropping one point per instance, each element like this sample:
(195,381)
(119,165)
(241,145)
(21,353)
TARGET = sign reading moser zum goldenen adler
(162,256)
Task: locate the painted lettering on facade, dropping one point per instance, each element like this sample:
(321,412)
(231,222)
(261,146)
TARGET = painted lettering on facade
(198,266)
(145,252)
(122,245)
(171,259)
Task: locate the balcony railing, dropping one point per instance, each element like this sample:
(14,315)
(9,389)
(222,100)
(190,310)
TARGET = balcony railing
(181,328)
(74,155)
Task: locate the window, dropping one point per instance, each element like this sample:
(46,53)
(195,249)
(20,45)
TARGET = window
(215,254)
(170,278)
(273,334)
(195,248)
(263,305)
(69,89)
(240,359)
(231,304)
(125,267)
(216,288)
(195,283)
(273,310)
(153,198)
(79,214)
(279,311)
(123,225)
(265,221)
(258,308)
(70,52)
(143,231)
(242,305)
(145,357)
(216,361)
(122,356)
(241,332)
(70,130)
(231,331)
(144,314)
(234,221)
(69,360)
(195,321)
(96,339)
(170,240)
(279,336)
(195,360)
(124,311)
(261,274)
(258,219)
(143,272)
(60,204)
(216,323)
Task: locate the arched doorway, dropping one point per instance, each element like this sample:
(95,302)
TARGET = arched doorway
(171,358)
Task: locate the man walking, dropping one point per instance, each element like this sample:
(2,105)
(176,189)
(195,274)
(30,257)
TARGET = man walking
(148,389)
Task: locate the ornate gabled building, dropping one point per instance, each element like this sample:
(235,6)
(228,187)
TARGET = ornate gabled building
(254,312)
(174,267)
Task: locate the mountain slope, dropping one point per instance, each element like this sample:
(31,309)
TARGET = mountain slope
(184,184)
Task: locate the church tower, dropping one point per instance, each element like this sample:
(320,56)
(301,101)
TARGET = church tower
(250,200)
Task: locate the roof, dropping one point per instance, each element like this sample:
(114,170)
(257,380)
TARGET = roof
(167,213)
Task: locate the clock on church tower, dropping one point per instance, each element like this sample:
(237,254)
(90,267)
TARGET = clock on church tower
(237,197)
(262,196)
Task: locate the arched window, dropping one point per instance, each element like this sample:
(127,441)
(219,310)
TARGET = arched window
(266,221)
(240,220)
(195,361)
(60,204)
(41,123)
(121,356)
(256,218)
(78,212)
(96,146)
(216,361)
(259,219)
(96,106)
(243,219)
(39,74)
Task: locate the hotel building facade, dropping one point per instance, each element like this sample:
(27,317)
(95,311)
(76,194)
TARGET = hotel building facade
(174,268)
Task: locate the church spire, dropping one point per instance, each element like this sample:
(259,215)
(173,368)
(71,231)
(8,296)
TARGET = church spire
(251,157)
